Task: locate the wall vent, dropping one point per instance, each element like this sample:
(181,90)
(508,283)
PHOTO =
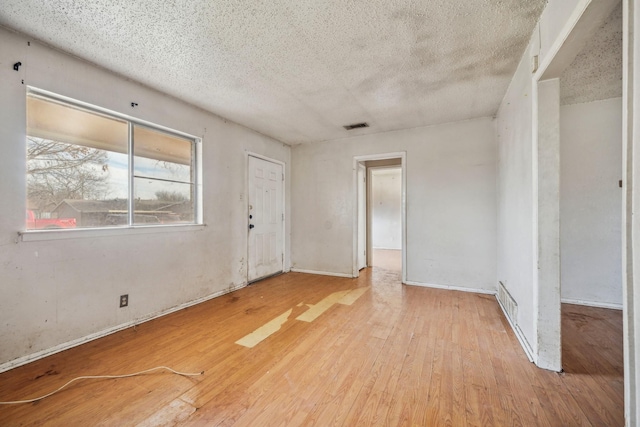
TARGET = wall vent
(508,304)
(357,126)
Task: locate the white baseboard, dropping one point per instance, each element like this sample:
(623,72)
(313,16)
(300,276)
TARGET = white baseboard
(388,249)
(451,288)
(528,351)
(74,343)
(592,304)
(322,273)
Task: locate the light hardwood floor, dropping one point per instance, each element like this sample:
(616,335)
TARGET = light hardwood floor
(398,355)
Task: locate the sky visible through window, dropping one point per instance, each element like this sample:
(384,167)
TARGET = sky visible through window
(145,188)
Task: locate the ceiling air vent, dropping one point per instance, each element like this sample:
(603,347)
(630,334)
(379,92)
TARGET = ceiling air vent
(357,126)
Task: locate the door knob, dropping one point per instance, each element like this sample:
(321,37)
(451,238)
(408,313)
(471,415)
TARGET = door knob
(251,226)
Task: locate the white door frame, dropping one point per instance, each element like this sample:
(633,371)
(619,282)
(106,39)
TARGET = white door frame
(402,155)
(363,222)
(631,209)
(246,207)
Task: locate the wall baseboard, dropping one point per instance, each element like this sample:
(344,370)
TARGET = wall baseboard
(451,288)
(608,305)
(528,351)
(321,273)
(74,343)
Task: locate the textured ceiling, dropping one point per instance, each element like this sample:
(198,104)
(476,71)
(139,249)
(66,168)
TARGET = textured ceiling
(596,73)
(298,70)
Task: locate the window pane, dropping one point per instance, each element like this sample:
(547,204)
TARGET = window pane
(77,166)
(157,145)
(163,178)
(171,202)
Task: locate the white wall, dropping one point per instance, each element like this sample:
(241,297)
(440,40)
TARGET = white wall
(591,202)
(386,207)
(515,197)
(451,202)
(57,291)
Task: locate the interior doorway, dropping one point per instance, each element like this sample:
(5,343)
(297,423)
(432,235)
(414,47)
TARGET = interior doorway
(385,214)
(380,214)
(548,132)
(591,206)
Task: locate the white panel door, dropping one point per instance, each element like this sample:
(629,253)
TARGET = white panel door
(266,219)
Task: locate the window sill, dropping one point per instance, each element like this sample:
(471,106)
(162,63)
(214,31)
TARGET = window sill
(79,233)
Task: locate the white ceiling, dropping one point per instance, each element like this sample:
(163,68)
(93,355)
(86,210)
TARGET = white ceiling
(596,73)
(298,70)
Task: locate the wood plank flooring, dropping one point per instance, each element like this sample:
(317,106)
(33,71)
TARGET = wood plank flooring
(398,355)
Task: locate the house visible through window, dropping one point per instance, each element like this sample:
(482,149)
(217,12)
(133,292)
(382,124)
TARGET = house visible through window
(87,167)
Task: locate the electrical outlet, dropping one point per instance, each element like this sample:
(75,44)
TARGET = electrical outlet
(124,300)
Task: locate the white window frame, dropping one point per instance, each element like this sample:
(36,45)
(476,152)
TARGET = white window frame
(130,228)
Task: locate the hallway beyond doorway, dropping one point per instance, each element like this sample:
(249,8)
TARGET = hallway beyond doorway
(387,259)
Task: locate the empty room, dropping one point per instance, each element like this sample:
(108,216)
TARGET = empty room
(319,213)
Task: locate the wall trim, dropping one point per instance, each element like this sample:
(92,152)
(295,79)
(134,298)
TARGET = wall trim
(528,351)
(79,341)
(561,38)
(451,287)
(608,305)
(321,273)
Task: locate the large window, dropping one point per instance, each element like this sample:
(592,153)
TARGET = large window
(87,167)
